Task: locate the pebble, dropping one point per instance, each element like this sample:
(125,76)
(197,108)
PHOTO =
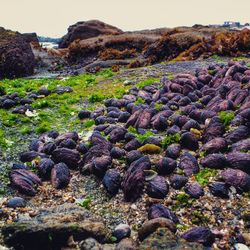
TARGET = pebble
(133,206)
(16,202)
(240,246)
(122,231)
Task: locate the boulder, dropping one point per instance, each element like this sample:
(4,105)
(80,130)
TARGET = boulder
(52,227)
(88,29)
(16,56)
(163,238)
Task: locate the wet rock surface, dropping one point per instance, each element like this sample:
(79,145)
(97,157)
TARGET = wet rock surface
(52,228)
(16,56)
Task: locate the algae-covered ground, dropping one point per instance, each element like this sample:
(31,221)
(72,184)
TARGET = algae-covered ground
(54,112)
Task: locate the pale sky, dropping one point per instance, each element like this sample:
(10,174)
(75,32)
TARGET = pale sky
(52,17)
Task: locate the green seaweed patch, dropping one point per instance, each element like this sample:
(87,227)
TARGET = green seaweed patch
(85,203)
(96,97)
(139,101)
(146,82)
(182,200)
(198,218)
(140,137)
(170,139)
(226,117)
(43,127)
(40,104)
(89,123)
(158,106)
(204,175)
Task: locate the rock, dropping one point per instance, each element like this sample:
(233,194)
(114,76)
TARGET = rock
(163,238)
(236,178)
(189,141)
(83,148)
(216,145)
(133,185)
(90,243)
(151,226)
(117,153)
(29,156)
(240,246)
(157,187)
(68,143)
(84,114)
(133,155)
(166,166)
(122,231)
(240,133)
(112,181)
(241,146)
(178,181)
(159,210)
(101,164)
(219,189)
(60,176)
(150,149)
(173,150)
(68,156)
(65,136)
(51,228)
(16,202)
(43,91)
(132,145)
(16,56)
(126,244)
(85,30)
(214,129)
(194,190)
(8,103)
(202,235)
(24,181)
(44,168)
(117,134)
(240,161)
(63,89)
(189,164)
(216,161)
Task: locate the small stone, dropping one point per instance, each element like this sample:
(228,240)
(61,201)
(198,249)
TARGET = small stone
(90,243)
(122,231)
(151,226)
(16,202)
(133,206)
(240,246)
(126,244)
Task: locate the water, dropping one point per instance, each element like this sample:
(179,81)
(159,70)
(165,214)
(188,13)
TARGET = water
(49,45)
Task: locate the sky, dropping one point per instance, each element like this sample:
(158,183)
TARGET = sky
(52,17)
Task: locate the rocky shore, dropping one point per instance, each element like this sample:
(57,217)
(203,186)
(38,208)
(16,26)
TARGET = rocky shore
(117,152)
(165,166)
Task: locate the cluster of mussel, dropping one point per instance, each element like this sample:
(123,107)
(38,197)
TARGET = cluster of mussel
(21,104)
(189,106)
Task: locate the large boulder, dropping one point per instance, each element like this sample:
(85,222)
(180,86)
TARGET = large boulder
(16,56)
(88,29)
(163,238)
(52,227)
(30,37)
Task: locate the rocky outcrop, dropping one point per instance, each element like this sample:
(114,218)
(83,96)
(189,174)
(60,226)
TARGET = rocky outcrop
(163,238)
(51,228)
(151,46)
(88,29)
(30,37)
(16,56)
